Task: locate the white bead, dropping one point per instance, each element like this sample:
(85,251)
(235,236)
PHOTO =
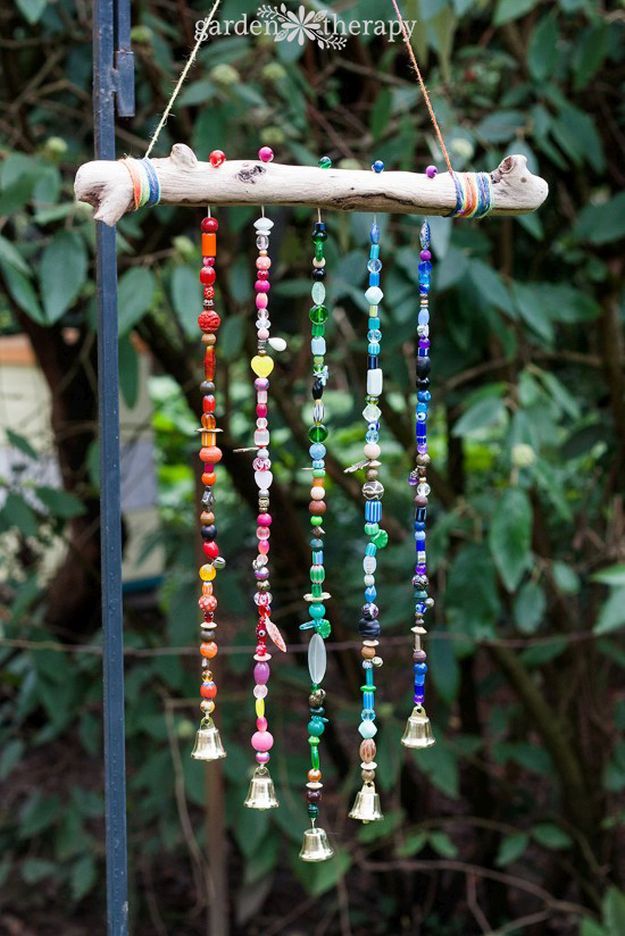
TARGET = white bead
(263,479)
(318,346)
(317,659)
(317,493)
(261,423)
(278,344)
(261,437)
(261,396)
(263,224)
(369,580)
(319,264)
(374,381)
(369,564)
(372,450)
(367,729)
(371,412)
(260,692)
(374,295)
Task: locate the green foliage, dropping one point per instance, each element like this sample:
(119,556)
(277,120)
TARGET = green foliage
(527,433)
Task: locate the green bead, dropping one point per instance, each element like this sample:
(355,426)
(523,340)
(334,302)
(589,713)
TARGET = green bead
(317,610)
(316,521)
(314,757)
(317,574)
(419,593)
(380,539)
(323,628)
(313,740)
(317,591)
(316,726)
(319,473)
(318,360)
(318,314)
(318,331)
(371,528)
(325,162)
(368,688)
(313,810)
(318,433)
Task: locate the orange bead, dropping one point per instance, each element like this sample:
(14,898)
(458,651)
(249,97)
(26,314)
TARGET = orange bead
(314,776)
(208,421)
(209,245)
(317,508)
(209,650)
(207,588)
(215,454)
(209,478)
(208,690)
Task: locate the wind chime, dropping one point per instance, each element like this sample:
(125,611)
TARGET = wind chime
(128,184)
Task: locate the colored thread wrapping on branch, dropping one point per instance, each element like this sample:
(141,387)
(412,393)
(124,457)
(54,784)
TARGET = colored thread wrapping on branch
(146,188)
(474,194)
(424,90)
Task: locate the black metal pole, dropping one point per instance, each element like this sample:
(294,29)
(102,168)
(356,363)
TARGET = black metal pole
(105,84)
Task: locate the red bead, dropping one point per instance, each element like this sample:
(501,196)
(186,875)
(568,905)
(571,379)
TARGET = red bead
(208,321)
(209,292)
(211,550)
(210,225)
(261,649)
(209,478)
(217,158)
(207,275)
(261,410)
(208,690)
(208,404)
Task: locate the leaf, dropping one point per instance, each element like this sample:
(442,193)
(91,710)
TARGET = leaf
(507,10)
(412,845)
(529,607)
(60,504)
(31,10)
(613,575)
(136,292)
(17,514)
(186,298)
(442,844)
(323,876)
(590,927)
(21,442)
(500,126)
(482,414)
(532,308)
(490,285)
(541,53)
(614,911)
(551,836)
(612,614)
(231,337)
(591,50)
(510,536)
(602,224)
(444,668)
(128,371)
(63,272)
(36,869)
(511,848)
(11,755)
(23,292)
(83,877)
(440,765)
(11,256)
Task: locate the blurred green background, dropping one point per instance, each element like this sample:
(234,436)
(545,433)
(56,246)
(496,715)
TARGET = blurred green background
(513,823)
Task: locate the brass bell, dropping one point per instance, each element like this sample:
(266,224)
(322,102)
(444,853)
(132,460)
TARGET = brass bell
(418,733)
(208,746)
(366,806)
(316,846)
(261,794)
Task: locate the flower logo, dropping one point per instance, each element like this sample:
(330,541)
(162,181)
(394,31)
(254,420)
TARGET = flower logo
(300,26)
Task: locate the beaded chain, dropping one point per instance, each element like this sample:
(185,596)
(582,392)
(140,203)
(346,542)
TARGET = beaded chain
(208,744)
(418,732)
(373,491)
(262,365)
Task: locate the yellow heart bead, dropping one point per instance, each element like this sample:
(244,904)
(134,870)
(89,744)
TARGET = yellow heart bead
(262,365)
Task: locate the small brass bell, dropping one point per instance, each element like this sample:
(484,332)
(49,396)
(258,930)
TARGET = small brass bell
(418,733)
(316,846)
(262,794)
(366,806)
(208,746)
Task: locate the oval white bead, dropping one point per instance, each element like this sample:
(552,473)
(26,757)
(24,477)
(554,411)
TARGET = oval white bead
(374,381)
(317,659)
(369,564)
(278,344)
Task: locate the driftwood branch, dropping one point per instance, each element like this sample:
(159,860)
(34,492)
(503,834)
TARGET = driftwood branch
(186,181)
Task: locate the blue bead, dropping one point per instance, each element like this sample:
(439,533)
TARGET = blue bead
(374,279)
(424,396)
(317,557)
(318,463)
(378,166)
(367,714)
(374,348)
(372,436)
(422,407)
(421,514)
(419,526)
(374,265)
(370,594)
(420,667)
(317,450)
(316,543)
(374,251)
(370,549)
(372,362)
(374,234)
(419,681)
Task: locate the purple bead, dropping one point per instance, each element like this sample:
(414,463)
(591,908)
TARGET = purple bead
(261,575)
(262,757)
(425,255)
(424,343)
(261,673)
(431,171)
(422,449)
(261,383)
(419,697)
(421,569)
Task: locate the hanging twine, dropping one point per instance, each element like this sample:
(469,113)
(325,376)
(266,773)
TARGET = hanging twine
(201,36)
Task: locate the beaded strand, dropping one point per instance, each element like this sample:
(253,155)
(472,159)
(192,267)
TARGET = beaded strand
(208,743)
(373,491)
(316,846)
(262,365)
(418,732)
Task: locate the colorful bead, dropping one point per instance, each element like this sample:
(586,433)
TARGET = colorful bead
(378,166)
(325,162)
(265,154)
(217,158)
(431,171)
